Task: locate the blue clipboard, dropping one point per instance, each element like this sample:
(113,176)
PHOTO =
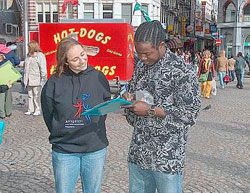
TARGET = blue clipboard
(107,107)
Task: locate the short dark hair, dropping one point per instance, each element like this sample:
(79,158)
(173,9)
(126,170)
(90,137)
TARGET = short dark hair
(152,32)
(239,54)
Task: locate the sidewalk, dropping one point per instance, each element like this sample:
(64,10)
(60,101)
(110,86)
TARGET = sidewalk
(218,158)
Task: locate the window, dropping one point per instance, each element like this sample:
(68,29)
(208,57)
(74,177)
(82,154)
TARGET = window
(145,8)
(70,11)
(247,13)
(40,13)
(127,12)
(230,13)
(88,11)
(47,12)
(55,13)
(107,11)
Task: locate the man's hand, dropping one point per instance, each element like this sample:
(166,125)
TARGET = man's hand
(9,84)
(139,108)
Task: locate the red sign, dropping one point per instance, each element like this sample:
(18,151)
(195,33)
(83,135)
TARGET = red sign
(203,3)
(218,42)
(113,43)
(207,31)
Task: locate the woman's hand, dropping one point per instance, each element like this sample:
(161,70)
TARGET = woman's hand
(9,84)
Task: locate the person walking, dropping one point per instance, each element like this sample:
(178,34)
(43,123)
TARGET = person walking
(6,97)
(207,67)
(35,76)
(231,64)
(79,143)
(158,145)
(222,67)
(240,65)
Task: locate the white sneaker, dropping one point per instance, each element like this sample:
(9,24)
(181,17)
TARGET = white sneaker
(37,113)
(28,113)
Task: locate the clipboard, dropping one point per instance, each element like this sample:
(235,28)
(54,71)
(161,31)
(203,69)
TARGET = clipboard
(107,107)
(8,72)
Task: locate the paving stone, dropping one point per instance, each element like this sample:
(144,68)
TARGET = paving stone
(218,158)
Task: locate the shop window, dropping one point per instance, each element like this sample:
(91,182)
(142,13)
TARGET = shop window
(230,15)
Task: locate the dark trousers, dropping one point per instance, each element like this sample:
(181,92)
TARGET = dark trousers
(239,78)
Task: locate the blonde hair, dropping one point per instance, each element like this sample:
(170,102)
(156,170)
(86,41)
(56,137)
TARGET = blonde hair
(207,53)
(222,53)
(33,47)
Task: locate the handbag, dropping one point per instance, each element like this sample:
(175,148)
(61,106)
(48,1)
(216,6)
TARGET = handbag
(226,79)
(213,91)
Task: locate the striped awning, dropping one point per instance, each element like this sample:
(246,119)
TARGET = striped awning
(175,43)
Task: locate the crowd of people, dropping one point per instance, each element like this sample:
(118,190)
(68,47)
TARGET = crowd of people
(156,157)
(208,66)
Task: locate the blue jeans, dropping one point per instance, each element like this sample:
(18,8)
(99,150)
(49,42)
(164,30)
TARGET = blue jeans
(146,181)
(231,74)
(221,76)
(68,167)
(242,76)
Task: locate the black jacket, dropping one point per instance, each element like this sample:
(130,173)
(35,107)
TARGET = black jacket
(63,100)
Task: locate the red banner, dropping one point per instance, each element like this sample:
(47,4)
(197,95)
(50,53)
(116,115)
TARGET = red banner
(112,42)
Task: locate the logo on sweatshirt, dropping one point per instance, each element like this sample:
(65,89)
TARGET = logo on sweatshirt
(82,106)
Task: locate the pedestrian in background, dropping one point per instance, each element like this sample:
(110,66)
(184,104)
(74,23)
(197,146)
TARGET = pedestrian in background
(206,66)
(240,65)
(158,146)
(8,53)
(231,64)
(79,143)
(222,67)
(35,76)
(6,97)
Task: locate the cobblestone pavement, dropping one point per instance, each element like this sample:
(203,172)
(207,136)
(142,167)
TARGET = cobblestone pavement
(218,158)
